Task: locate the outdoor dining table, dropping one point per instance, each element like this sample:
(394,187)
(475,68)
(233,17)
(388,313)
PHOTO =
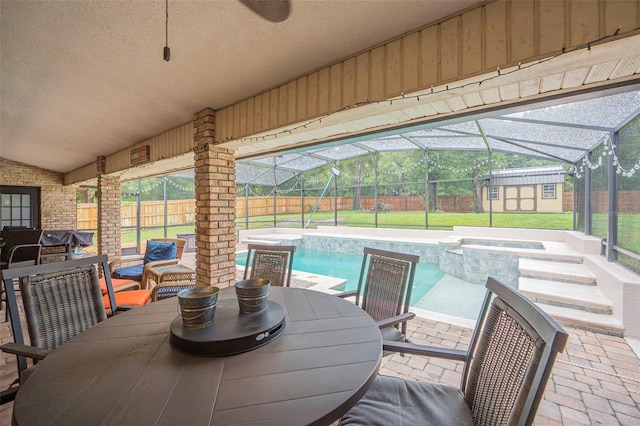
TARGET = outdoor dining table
(125,371)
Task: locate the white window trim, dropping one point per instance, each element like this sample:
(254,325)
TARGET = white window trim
(545,192)
(493,192)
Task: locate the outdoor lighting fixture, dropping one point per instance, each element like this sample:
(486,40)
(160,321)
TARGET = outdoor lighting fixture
(166,53)
(335,171)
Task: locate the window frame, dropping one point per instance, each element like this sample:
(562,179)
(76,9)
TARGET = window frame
(34,205)
(493,192)
(545,191)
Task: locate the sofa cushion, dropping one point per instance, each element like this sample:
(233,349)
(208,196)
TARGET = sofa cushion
(115,282)
(129,298)
(130,273)
(395,401)
(159,250)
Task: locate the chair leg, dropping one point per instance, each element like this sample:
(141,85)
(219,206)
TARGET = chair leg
(9,394)
(3,299)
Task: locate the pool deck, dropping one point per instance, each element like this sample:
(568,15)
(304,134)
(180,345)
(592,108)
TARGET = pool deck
(596,381)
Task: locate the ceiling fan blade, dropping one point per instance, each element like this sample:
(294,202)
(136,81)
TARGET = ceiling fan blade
(271,10)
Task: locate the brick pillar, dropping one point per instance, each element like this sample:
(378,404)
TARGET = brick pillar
(108,213)
(215,185)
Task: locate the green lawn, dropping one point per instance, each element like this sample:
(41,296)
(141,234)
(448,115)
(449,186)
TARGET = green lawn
(129,235)
(417,220)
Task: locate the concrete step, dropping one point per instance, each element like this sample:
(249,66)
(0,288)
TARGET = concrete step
(535,254)
(576,296)
(557,271)
(598,323)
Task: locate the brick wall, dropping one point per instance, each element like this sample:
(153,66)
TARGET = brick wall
(57,202)
(108,214)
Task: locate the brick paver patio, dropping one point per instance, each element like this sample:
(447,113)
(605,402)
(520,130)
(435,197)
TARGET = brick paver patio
(596,381)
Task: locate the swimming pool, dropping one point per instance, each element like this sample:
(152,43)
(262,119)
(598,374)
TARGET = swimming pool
(347,266)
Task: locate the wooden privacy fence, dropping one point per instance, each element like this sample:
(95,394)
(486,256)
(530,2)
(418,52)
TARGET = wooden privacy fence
(151,214)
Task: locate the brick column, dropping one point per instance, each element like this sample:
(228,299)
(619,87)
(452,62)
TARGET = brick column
(108,213)
(215,185)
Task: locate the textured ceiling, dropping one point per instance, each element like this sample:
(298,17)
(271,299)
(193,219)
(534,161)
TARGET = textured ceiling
(80,79)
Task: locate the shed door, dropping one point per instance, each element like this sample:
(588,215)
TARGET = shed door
(520,198)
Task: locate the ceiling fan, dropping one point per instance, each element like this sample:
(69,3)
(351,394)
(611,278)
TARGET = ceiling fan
(271,10)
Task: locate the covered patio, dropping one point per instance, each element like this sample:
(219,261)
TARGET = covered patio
(112,105)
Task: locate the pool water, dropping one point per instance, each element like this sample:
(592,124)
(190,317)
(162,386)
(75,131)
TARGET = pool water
(347,266)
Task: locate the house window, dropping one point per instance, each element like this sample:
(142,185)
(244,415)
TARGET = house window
(549,190)
(20,206)
(492,193)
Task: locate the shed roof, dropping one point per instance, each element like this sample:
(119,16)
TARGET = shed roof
(528,175)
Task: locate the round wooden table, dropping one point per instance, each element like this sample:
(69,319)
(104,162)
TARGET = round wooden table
(124,371)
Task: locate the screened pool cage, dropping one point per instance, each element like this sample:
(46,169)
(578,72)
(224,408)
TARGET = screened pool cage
(571,166)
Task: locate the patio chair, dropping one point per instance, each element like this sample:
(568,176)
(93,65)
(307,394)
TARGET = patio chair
(60,300)
(15,236)
(506,368)
(24,255)
(384,290)
(172,282)
(273,263)
(159,252)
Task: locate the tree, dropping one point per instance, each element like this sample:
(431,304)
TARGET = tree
(359,166)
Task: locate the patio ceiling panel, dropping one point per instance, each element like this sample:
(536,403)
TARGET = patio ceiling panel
(390,143)
(339,152)
(453,142)
(261,174)
(535,150)
(606,111)
(301,162)
(545,135)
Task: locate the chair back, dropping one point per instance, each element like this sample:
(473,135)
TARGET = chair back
(172,282)
(170,289)
(24,255)
(510,357)
(386,279)
(60,299)
(15,237)
(273,263)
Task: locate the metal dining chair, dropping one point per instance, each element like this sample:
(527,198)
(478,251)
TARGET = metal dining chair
(506,368)
(384,290)
(19,255)
(270,262)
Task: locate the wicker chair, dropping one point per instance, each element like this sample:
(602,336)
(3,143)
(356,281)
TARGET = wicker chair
(384,291)
(273,263)
(60,300)
(136,267)
(171,283)
(506,369)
